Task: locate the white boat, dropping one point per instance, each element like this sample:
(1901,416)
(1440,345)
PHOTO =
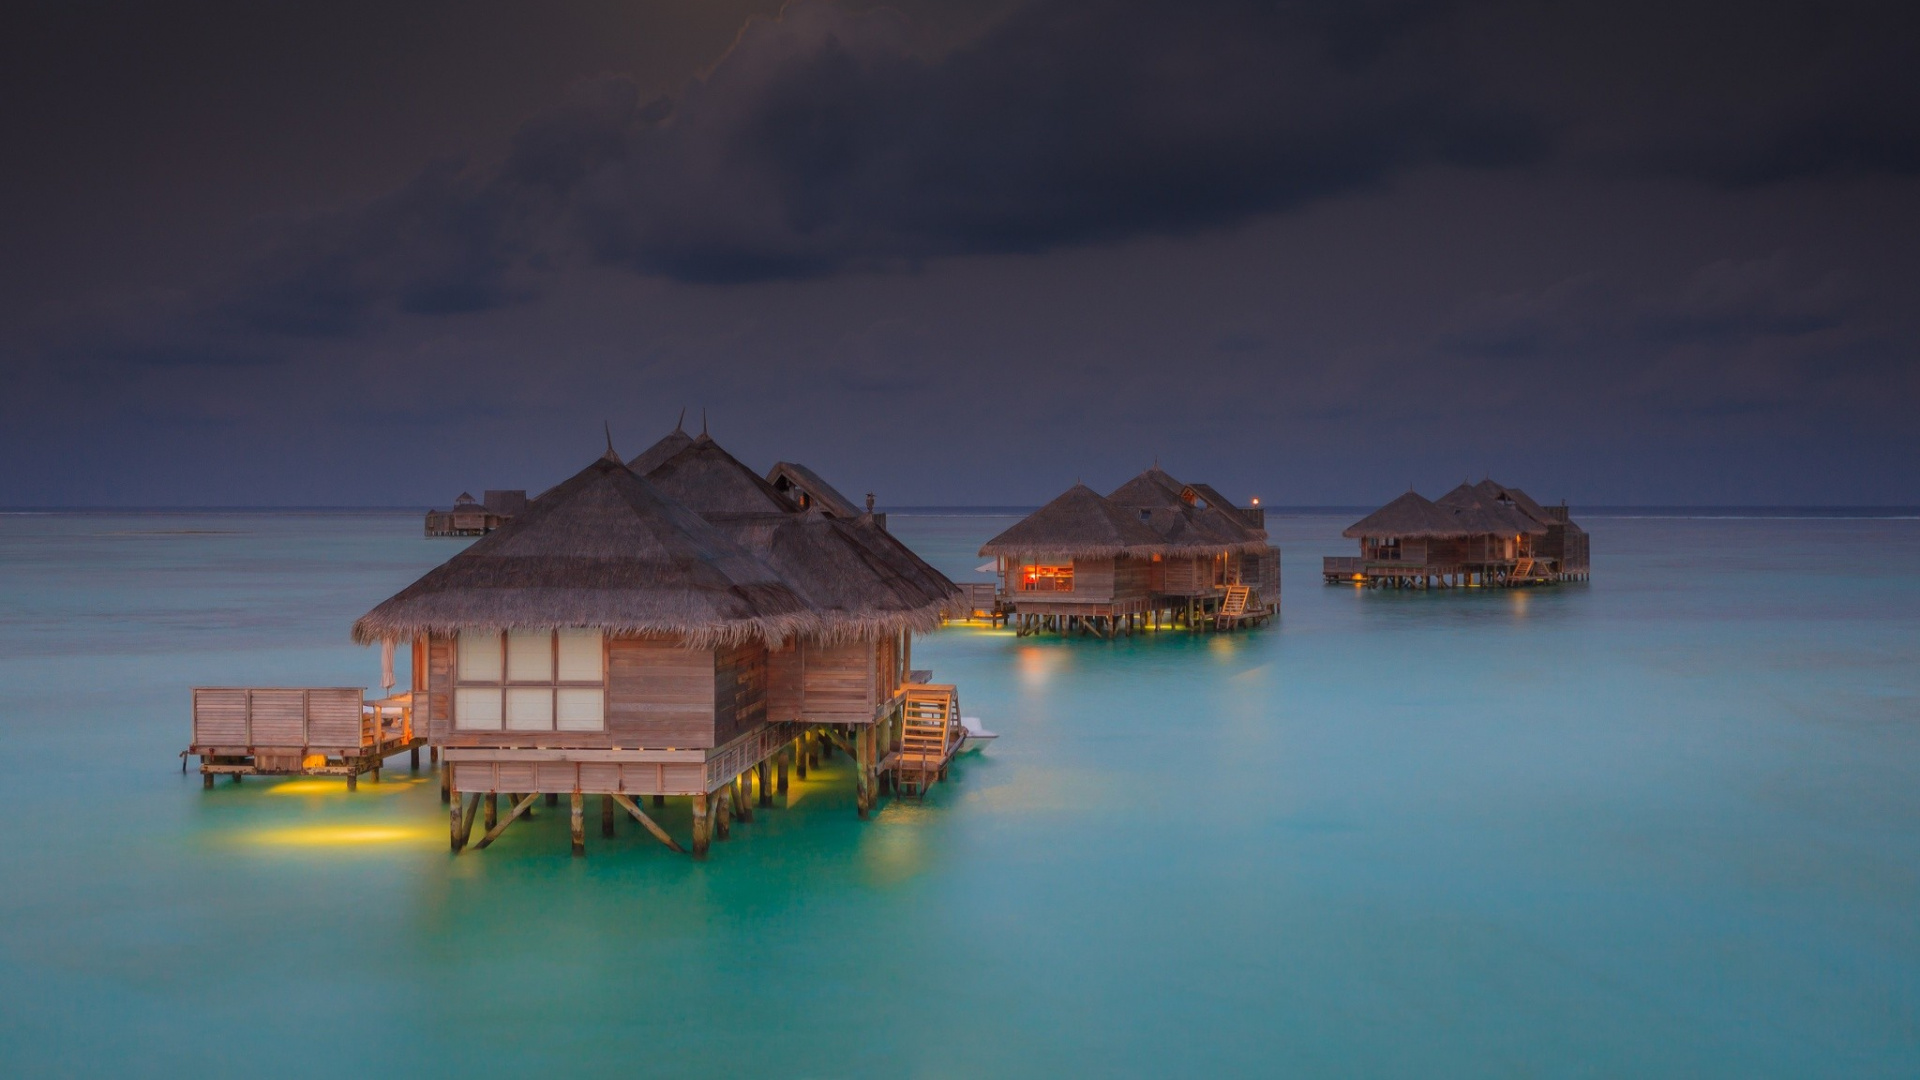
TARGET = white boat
(977,737)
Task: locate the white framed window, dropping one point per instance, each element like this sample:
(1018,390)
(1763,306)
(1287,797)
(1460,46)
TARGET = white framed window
(530,680)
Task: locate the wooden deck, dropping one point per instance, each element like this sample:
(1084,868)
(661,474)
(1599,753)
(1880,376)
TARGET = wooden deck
(1408,574)
(298,731)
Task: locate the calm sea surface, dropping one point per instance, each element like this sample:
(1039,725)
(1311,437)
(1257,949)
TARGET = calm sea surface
(1665,823)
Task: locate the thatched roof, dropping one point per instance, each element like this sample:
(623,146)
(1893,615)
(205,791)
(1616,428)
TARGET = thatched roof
(1078,523)
(603,550)
(788,474)
(858,578)
(711,481)
(1411,516)
(1185,529)
(845,572)
(1213,498)
(654,456)
(1488,513)
(1153,488)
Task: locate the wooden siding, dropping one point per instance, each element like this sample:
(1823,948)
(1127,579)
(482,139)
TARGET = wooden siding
(739,693)
(784,666)
(660,693)
(838,684)
(439,688)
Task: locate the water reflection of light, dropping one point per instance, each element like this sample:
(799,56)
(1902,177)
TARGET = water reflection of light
(1036,665)
(339,835)
(337,785)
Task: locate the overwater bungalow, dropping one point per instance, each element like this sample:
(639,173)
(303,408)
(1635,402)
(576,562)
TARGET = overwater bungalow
(614,640)
(1484,534)
(471,517)
(1155,552)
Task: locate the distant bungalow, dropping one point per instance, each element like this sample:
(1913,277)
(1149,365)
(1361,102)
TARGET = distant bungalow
(1155,552)
(471,518)
(1483,534)
(689,633)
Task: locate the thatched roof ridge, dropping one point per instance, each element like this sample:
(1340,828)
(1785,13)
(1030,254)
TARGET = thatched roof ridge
(1486,514)
(1152,488)
(603,550)
(1079,522)
(709,480)
(809,481)
(654,456)
(1213,498)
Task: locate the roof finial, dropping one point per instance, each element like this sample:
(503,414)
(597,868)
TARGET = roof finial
(869,502)
(610,455)
(703,419)
(680,424)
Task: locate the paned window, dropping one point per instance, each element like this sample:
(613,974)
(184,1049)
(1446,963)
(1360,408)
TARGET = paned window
(1046,578)
(530,680)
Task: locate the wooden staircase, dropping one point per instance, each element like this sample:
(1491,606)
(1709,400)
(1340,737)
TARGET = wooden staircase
(1233,606)
(1522,570)
(930,734)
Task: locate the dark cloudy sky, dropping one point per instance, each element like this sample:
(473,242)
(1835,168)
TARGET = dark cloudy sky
(350,253)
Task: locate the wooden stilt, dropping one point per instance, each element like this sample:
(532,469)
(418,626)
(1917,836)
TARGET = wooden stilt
(413,759)
(659,800)
(743,797)
(492,807)
(723,813)
(653,827)
(353,779)
(766,789)
(862,776)
(460,819)
(206,780)
(446,778)
(800,754)
(579,824)
(606,816)
(433,755)
(519,808)
(553,798)
(702,827)
(780,779)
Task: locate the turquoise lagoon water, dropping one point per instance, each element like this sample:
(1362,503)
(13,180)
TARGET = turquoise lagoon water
(1665,823)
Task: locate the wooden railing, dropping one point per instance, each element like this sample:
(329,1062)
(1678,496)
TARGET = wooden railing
(239,718)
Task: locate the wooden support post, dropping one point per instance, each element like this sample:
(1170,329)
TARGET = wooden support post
(206,780)
(780,780)
(433,755)
(659,800)
(353,776)
(579,823)
(492,806)
(723,813)
(702,827)
(446,778)
(862,776)
(460,819)
(653,827)
(606,816)
(553,798)
(743,797)
(800,752)
(413,759)
(766,789)
(524,806)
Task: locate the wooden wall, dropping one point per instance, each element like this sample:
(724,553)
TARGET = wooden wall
(660,694)
(739,693)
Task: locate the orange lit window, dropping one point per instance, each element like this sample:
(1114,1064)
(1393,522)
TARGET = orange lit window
(1046,578)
